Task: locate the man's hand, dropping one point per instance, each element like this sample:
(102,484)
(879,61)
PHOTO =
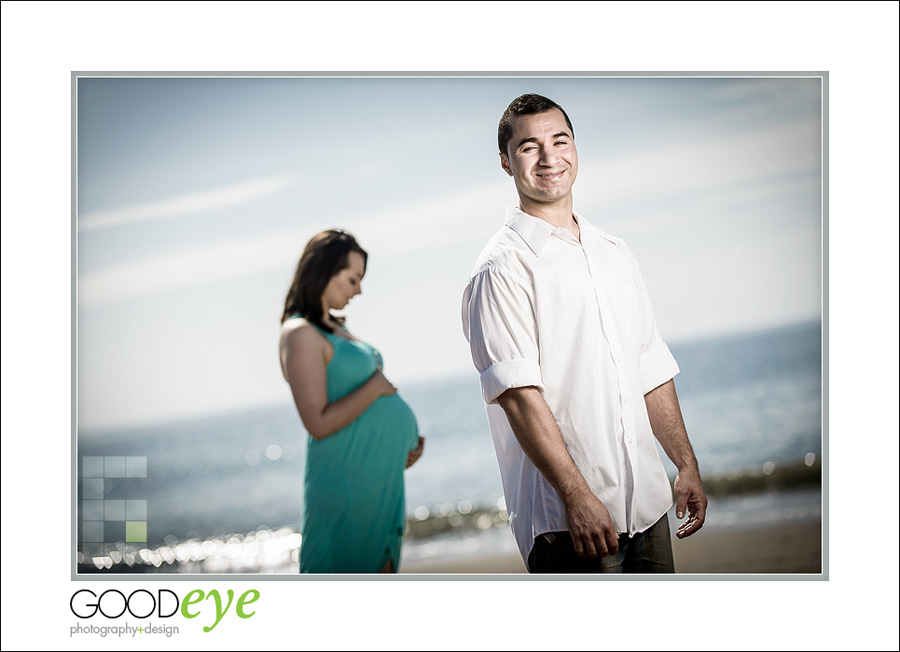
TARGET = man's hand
(591,527)
(690,495)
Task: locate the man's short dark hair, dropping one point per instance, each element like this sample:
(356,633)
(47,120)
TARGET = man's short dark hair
(528,104)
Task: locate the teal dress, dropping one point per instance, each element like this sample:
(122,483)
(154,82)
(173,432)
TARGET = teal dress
(354,505)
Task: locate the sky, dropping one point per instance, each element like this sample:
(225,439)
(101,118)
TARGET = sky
(196,196)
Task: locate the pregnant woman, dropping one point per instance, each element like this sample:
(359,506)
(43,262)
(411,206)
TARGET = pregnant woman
(362,435)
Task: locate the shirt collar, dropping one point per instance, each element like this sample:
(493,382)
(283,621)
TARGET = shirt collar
(536,232)
(590,234)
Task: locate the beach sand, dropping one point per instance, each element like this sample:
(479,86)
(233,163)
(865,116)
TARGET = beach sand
(792,548)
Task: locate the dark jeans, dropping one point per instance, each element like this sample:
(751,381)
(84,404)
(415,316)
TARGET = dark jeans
(647,552)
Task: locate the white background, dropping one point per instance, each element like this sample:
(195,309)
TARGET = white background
(857,44)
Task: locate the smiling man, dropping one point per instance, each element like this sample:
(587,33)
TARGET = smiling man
(574,372)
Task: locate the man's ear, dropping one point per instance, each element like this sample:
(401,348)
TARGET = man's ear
(504,163)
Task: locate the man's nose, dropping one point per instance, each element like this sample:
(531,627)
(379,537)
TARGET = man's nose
(549,156)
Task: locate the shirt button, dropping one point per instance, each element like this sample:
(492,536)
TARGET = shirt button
(630,440)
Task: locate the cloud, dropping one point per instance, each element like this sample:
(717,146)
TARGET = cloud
(685,180)
(415,227)
(195,203)
(195,266)
(765,96)
(697,168)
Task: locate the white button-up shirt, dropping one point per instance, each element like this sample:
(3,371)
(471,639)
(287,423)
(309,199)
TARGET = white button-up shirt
(572,319)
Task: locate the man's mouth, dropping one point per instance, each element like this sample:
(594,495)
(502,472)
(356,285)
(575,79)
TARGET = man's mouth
(551,176)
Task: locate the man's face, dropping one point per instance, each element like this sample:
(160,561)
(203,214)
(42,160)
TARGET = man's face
(541,158)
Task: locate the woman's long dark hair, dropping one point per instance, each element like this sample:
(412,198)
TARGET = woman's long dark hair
(326,254)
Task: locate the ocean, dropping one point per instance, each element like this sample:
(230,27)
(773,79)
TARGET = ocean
(752,404)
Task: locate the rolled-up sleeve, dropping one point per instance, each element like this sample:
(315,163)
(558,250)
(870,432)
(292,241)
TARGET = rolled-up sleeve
(658,366)
(499,323)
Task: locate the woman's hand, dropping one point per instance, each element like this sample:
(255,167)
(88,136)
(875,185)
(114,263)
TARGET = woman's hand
(385,388)
(415,453)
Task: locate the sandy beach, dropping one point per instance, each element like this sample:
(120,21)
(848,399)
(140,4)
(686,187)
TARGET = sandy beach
(786,548)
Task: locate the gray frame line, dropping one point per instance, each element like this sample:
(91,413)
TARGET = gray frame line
(76,75)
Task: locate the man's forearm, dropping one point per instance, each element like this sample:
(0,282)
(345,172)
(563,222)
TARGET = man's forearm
(588,520)
(535,428)
(668,426)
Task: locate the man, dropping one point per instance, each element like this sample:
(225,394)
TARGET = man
(575,375)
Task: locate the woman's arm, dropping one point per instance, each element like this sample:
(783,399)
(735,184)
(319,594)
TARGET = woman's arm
(304,352)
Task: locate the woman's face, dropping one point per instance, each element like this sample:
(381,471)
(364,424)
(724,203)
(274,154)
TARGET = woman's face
(344,285)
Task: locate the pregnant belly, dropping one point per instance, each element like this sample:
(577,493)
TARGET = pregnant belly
(376,443)
(393,417)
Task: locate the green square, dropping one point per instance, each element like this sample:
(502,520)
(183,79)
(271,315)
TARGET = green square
(135,531)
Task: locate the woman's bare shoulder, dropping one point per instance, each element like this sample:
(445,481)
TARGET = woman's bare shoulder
(298,329)
(300,339)
(292,323)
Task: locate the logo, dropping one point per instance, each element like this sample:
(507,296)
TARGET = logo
(143,604)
